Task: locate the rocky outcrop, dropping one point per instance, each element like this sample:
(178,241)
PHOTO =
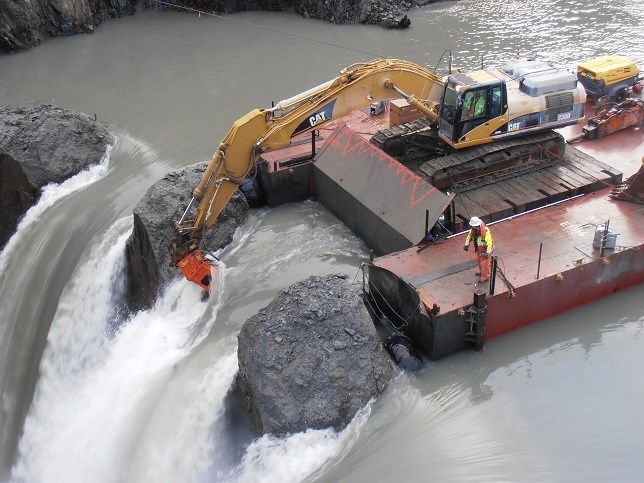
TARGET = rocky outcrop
(25,23)
(17,195)
(148,260)
(38,146)
(387,13)
(311,358)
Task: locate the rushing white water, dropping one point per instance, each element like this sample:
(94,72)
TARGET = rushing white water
(295,457)
(49,195)
(97,385)
(105,408)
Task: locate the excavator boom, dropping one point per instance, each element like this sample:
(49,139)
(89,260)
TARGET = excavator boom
(262,130)
(467,110)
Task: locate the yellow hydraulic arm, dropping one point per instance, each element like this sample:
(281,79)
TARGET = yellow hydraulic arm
(262,130)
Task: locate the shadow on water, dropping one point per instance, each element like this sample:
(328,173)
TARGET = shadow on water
(584,328)
(546,401)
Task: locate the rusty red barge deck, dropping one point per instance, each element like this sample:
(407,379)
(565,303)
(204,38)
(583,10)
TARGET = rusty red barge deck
(548,260)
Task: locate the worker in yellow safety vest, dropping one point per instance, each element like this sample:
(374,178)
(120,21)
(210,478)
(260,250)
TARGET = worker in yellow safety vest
(483,246)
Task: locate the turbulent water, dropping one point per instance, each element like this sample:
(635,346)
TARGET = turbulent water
(92,394)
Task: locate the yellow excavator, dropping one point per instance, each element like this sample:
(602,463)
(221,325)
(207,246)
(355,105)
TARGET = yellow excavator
(463,110)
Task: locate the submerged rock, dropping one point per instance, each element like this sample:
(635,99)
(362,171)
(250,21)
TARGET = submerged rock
(42,145)
(149,267)
(311,358)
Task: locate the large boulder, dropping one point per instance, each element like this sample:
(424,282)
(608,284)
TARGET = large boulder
(38,146)
(311,358)
(149,268)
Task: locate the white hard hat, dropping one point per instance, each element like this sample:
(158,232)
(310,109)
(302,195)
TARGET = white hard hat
(475,221)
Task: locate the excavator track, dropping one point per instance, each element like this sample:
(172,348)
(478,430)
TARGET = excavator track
(499,159)
(392,140)
(444,167)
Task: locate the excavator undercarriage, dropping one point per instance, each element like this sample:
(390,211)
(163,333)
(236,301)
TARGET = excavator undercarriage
(417,146)
(498,179)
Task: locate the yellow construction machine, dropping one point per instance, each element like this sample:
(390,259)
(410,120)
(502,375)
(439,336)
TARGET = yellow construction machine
(462,109)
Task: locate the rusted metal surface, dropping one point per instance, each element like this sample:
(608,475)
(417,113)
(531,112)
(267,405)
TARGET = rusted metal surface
(622,150)
(564,232)
(571,271)
(632,189)
(611,119)
(428,292)
(566,290)
(371,178)
(567,233)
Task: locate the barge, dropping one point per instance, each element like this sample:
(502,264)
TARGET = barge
(562,239)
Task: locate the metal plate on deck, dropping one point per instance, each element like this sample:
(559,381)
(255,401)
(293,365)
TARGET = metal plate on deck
(392,192)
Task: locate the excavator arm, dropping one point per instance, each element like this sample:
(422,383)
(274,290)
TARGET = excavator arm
(263,130)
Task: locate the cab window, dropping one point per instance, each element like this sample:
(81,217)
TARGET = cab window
(496,102)
(474,104)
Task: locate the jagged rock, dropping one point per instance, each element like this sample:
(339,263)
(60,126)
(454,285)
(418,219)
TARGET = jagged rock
(311,358)
(38,146)
(25,23)
(148,260)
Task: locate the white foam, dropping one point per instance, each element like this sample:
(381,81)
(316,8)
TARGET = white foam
(295,457)
(141,403)
(182,436)
(49,195)
(88,414)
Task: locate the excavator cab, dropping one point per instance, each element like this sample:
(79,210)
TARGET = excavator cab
(464,108)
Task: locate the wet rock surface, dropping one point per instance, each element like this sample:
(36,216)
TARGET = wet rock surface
(38,146)
(148,260)
(311,358)
(25,23)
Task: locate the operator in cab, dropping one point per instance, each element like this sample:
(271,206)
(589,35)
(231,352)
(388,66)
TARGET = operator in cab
(473,105)
(479,105)
(483,246)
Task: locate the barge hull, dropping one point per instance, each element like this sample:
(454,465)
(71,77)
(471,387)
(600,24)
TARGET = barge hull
(547,254)
(564,291)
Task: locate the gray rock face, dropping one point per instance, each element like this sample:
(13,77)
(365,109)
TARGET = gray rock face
(25,23)
(17,195)
(148,261)
(311,358)
(38,146)
(386,13)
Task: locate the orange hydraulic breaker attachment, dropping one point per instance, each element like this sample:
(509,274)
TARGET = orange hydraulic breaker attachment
(197,268)
(610,119)
(192,262)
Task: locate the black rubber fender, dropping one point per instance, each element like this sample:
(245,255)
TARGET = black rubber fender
(403,352)
(253,192)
